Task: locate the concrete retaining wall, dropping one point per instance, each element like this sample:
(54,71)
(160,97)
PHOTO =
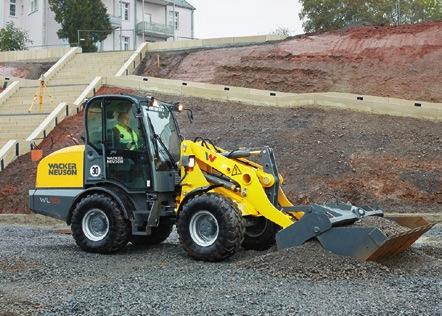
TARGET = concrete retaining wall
(34,54)
(213,42)
(363,103)
(145,48)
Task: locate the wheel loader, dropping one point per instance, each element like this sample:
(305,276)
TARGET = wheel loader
(136,177)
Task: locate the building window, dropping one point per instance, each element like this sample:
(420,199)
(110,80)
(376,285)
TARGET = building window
(148,18)
(175,21)
(125,7)
(33,5)
(12,7)
(126,42)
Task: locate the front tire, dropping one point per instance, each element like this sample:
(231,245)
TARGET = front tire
(210,227)
(98,225)
(260,234)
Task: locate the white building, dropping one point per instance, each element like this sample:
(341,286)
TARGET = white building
(133,21)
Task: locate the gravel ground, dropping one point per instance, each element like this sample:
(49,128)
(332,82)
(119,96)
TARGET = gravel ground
(42,272)
(312,262)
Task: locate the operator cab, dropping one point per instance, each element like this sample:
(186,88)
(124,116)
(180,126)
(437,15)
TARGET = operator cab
(132,142)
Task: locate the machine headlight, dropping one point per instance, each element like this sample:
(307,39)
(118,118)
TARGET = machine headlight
(179,107)
(191,163)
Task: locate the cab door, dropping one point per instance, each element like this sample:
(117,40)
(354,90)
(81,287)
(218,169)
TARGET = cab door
(125,150)
(95,169)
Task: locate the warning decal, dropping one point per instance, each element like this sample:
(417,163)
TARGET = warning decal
(236,171)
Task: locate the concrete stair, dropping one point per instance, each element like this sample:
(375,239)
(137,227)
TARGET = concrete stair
(21,101)
(16,122)
(85,67)
(18,126)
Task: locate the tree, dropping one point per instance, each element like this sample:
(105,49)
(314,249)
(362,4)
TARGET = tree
(282,31)
(75,15)
(326,15)
(416,11)
(13,38)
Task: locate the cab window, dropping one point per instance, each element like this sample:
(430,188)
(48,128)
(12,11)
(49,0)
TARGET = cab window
(94,124)
(122,127)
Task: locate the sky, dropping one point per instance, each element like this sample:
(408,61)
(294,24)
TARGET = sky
(220,18)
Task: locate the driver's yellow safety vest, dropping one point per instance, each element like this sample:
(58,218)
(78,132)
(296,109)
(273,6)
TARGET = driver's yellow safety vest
(127,137)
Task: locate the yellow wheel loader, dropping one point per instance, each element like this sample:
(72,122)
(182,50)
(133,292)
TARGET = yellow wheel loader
(136,177)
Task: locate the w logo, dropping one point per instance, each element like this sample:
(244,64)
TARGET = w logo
(210,157)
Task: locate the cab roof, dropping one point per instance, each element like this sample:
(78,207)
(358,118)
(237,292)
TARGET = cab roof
(132,97)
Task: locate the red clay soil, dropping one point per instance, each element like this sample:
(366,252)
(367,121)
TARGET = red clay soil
(392,162)
(25,70)
(403,62)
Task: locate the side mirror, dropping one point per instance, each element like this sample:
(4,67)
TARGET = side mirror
(178,107)
(189,115)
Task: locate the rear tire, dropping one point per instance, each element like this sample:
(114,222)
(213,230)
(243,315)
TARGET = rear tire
(98,224)
(261,235)
(210,227)
(158,235)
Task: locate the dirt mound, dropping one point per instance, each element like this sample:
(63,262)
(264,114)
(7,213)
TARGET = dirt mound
(393,176)
(26,70)
(403,62)
(312,262)
(323,155)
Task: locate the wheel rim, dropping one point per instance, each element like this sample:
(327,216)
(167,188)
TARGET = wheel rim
(95,224)
(204,228)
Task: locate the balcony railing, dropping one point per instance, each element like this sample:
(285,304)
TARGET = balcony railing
(154,29)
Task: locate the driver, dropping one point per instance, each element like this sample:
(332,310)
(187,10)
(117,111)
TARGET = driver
(125,137)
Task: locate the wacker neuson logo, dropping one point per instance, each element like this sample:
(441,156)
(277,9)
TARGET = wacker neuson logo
(62,169)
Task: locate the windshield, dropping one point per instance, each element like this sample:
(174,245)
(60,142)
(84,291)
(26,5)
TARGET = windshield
(163,125)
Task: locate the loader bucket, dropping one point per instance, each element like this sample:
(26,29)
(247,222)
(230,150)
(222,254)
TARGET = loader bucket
(401,242)
(332,226)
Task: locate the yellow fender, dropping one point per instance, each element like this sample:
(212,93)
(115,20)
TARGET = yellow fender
(250,197)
